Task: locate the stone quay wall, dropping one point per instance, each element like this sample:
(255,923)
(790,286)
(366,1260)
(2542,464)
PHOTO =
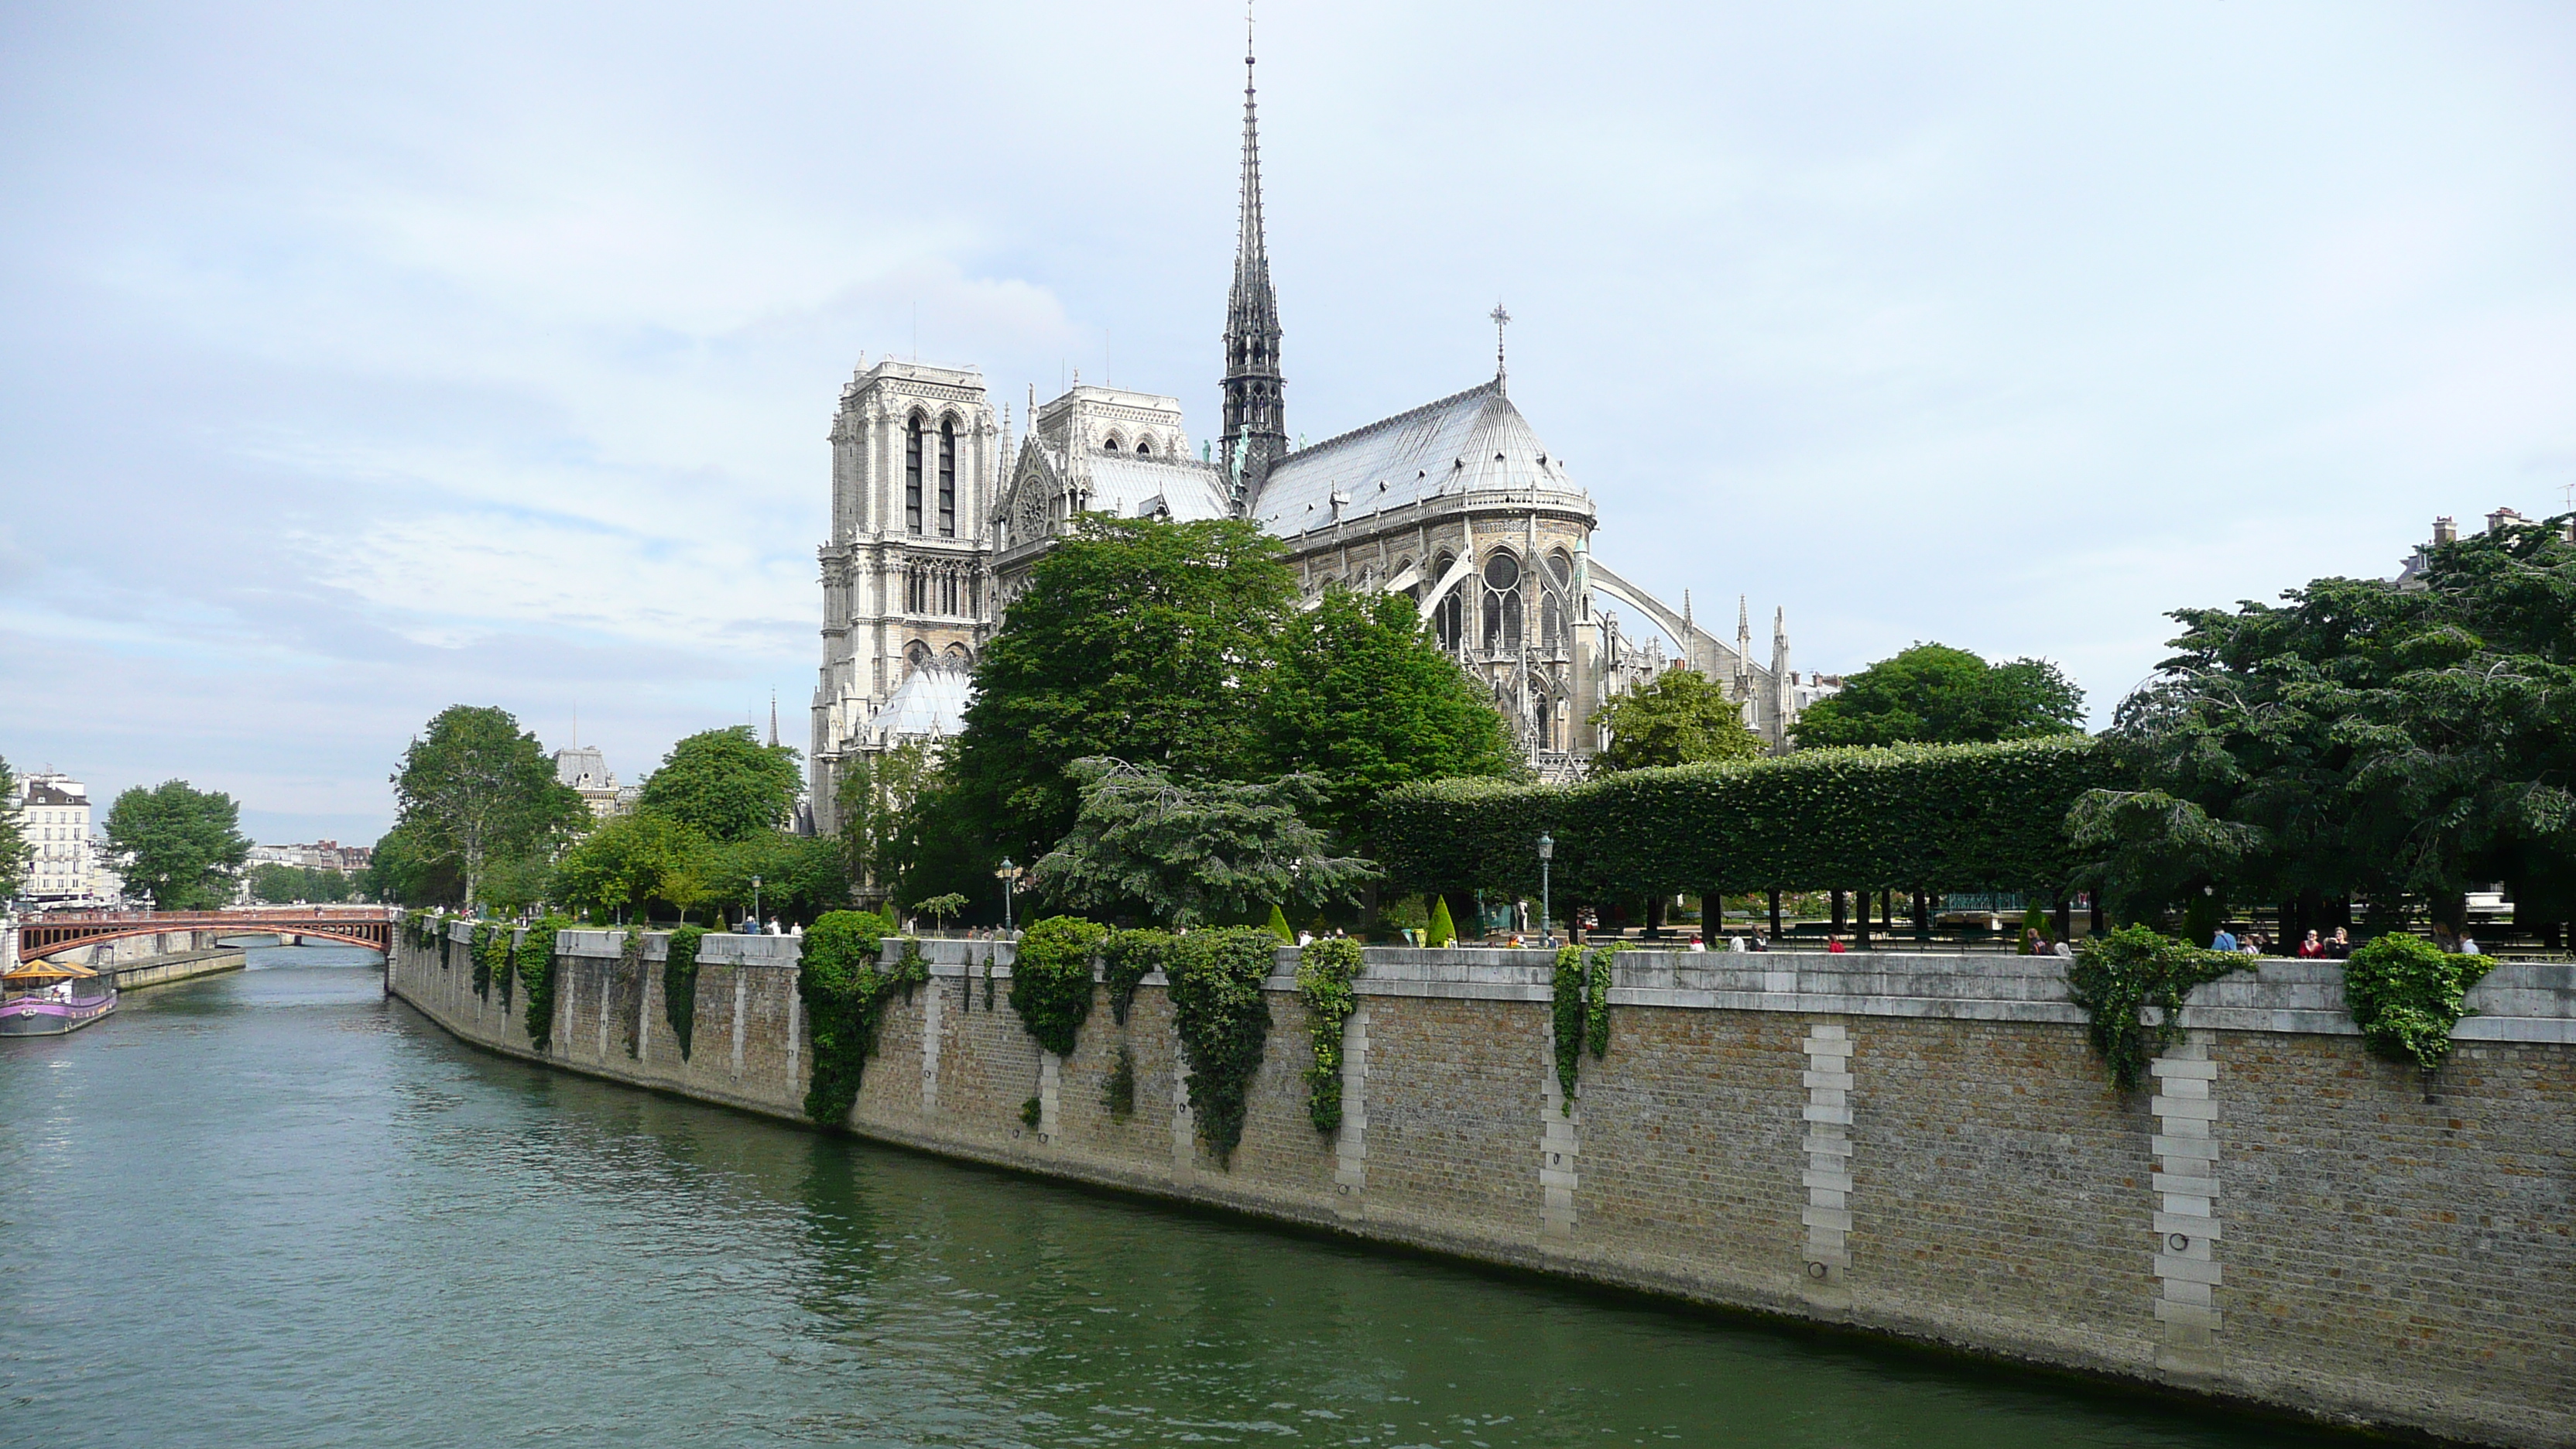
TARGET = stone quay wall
(1918,1146)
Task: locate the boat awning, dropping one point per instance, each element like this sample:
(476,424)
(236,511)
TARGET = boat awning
(48,971)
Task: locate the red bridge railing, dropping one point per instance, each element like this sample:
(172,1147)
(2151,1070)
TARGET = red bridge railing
(370,926)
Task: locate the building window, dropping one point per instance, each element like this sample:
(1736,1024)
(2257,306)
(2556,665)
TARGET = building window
(912,475)
(1502,612)
(948,478)
(1449,616)
(1144,449)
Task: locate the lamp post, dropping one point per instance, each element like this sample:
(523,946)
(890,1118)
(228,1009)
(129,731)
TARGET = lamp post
(1546,918)
(755,904)
(1010,875)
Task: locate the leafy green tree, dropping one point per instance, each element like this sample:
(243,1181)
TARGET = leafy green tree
(181,846)
(1934,694)
(15,852)
(725,784)
(1680,717)
(874,803)
(1363,698)
(1278,926)
(476,788)
(940,908)
(281,884)
(800,877)
(1191,853)
(399,872)
(1138,640)
(625,863)
(2365,737)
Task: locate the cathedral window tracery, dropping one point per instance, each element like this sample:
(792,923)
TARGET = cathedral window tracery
(1449,616)
(912,475)
(1502,612)
(948,478)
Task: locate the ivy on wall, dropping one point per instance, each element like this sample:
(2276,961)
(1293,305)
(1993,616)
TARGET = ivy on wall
(680,985)
(1126,959)
(2114,977)
(1119,1096)
(2406,994)
(988,980)
(1949,817)
(1051,980)
(538,969)
(478,954)
(845,996)
(1218,1009)
(630,966)
(446,939)
(1579,1005)
(1325,970)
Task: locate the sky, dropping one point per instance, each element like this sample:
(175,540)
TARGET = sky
(360,361)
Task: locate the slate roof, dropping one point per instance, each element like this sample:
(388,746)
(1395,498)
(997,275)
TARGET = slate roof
(1471,441)
(1129,486)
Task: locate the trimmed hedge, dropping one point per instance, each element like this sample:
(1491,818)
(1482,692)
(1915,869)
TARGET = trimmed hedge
(1928,817)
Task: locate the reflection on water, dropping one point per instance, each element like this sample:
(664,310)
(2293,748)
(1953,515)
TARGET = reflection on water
(272,1208)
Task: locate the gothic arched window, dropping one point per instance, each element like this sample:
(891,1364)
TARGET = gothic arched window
(912,474)
(1502,612)
(1144,449)
(948,478)
(1449,616)
(916,657)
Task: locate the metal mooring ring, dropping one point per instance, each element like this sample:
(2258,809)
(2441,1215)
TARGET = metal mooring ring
(2177,1241)
(1816,1271)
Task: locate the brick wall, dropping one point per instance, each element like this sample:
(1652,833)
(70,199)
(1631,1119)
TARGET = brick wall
(1918,1146)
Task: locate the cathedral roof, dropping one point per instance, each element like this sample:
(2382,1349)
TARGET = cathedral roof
(1469,442)
(930,701)
(1132,487)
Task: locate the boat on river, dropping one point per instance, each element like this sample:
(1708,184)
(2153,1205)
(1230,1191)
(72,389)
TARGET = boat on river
(41,998)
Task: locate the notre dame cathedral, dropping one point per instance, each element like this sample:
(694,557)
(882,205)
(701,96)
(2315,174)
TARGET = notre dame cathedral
(939,512)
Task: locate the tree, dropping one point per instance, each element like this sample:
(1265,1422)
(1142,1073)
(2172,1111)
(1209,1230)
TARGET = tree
(625,863)
(1135,639)
(1934,694)
(181,846)
(800,877)
(874,803)
(276,884)
(1190,853)
(725,784)
(477,787)
(14,849)
(940,908)
(399,872)
(1362,697)
(1679,717)
(2367,737)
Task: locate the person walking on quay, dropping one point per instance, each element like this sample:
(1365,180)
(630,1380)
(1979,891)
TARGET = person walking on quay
(2225,940)
(2340,946)
(2312,949)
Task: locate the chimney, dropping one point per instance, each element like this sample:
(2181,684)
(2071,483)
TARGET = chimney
(2503,517)
(2446,529)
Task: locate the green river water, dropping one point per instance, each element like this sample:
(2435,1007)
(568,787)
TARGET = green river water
(273,1208)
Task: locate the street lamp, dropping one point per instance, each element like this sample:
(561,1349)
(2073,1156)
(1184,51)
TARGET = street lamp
(1546,853)
(755,904)
(1009,875)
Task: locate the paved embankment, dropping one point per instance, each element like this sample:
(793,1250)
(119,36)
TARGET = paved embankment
(1917,1145)
(173,966)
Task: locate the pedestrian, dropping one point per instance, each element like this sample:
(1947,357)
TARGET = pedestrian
(1835,945)
(2469,945)
(2312,949)
(2340,946)
(1736,944)
(2225,940)
(1759,942)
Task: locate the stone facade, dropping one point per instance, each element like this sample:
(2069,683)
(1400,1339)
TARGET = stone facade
(1912,1145)
(938,517)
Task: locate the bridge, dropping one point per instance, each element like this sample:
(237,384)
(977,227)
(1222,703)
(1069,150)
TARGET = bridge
(368,926)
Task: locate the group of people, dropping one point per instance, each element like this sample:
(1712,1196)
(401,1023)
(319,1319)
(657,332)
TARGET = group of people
(2317,947)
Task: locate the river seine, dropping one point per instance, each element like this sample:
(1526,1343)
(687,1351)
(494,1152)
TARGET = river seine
(272,1208)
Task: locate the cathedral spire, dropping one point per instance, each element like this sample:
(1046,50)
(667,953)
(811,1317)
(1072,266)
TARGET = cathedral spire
(1255,420)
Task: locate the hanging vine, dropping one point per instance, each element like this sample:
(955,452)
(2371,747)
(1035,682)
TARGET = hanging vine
(2114,977)
(680,985)
(988,980)
(1580,1008)
(1126,959)
(1325,970)
(1566,1001)
(845,996)
(2406,994)
(1051,980)
(538,967)
(1218,1008)
(630,967)
(446,939)
(478,954)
